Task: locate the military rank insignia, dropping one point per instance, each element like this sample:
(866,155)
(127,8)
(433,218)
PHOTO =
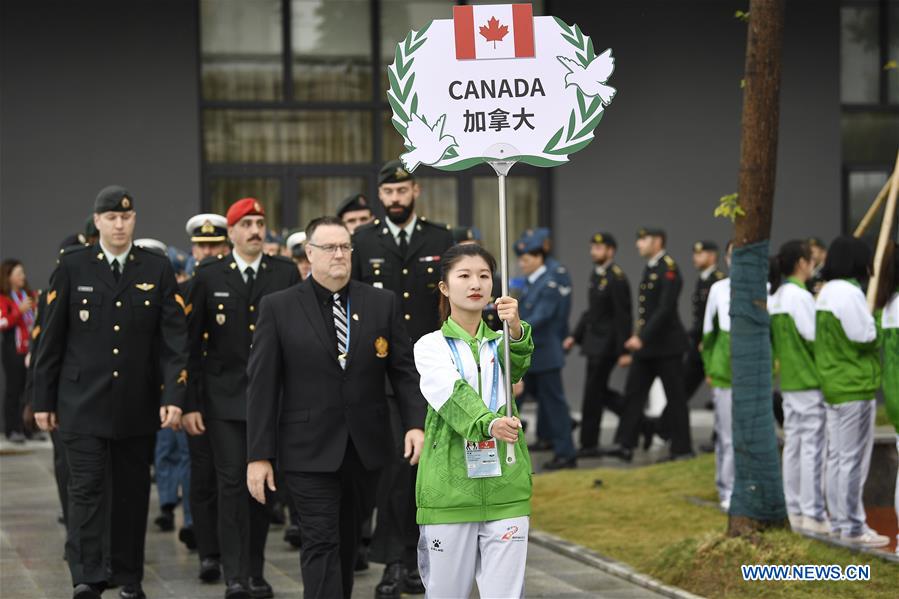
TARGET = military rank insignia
(381,347)
(84,315)
(220,318)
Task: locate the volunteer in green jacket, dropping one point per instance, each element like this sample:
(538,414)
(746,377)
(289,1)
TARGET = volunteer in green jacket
(473,509)
(716,363)
(848,361)
(888,300)
(792,310)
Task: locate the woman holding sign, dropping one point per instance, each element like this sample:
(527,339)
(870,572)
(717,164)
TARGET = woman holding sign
(473,509)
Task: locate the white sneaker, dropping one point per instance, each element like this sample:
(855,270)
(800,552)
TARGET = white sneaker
(818,527)
(869,538)
(725,505)
(795,521)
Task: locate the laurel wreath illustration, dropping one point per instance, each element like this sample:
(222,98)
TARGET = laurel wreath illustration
(571,137)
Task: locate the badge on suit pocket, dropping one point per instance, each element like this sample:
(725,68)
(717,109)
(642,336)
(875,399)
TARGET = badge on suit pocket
(84,315)
(220,318)
(381,347)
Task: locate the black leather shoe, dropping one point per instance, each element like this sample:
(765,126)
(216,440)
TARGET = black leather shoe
(625,454)
(677,457)
(166,519)
(589,452)
(558,463)
(210,569)
(292,536)
(391,585)
(132,591)
(361,558)
(413,584)
(707,447)
(541,446)
(86,591)
(260,588)
(276,514)
(235,589)
(186,535)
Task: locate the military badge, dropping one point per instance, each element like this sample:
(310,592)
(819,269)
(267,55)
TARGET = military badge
(84,315)
(126,203)
(381,347)
(145,286)
(220,318)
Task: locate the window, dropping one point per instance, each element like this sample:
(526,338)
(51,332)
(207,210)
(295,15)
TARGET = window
(294,113)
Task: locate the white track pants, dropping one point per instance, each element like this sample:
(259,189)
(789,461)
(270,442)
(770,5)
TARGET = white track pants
(724,442)
(805,425)
(850,439)
(452,556)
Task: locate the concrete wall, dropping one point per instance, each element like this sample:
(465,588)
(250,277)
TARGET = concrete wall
(669,145)
(92,94)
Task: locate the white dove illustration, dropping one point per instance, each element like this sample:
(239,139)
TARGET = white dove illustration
(428,143)
(592,78)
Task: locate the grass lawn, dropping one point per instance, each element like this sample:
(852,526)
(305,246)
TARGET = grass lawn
(643,517)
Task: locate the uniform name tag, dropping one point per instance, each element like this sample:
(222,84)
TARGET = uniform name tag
(222,294)
(86,288)
(482,459)
(376,260)
(378,285)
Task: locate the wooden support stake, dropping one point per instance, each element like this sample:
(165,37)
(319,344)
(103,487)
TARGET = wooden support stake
(873,209)
(886,228)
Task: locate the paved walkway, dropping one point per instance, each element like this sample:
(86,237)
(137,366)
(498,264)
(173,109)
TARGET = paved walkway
(31,547)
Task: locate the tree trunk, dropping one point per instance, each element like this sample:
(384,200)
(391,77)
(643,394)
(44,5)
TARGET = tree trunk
(757,502)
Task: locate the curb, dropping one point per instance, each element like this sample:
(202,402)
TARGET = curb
(607,565)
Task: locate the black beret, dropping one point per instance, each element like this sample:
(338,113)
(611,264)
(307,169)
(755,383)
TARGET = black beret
(653,231)
(90,229)
(394,172)
(705,246)
(114,198)
(356,201)
(605,239)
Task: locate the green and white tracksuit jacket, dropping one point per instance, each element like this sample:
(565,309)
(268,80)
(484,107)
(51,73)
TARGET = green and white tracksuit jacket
(458,411)
(716,335)
(846,351)
(889,323)
(792,310)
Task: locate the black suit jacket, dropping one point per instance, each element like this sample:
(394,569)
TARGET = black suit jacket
(377,260)
(658,322)
(302,406)
(111,352)
(220,327)
(606,323)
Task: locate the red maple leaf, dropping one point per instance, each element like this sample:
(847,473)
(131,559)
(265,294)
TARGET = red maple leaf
(492,32)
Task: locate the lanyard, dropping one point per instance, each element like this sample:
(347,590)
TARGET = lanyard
(494,398)
(349,328)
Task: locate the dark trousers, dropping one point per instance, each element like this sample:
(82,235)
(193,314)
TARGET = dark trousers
(14,372)
(203,495)
(546,387)
(242,521)
(127,463)
(395,537)
(597,397)
(642,373)
(61,473)
(331,507)
(694,373)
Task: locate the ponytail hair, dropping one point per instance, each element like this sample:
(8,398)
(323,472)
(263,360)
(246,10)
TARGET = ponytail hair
(784,263)
(450,258)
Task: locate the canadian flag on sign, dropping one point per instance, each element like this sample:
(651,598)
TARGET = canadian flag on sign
(494,31)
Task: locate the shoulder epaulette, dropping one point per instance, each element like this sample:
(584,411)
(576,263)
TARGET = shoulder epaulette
(720,275)
(211,260)
(367,227)
(72,249)
(425,221)
(670,262)
(616,270)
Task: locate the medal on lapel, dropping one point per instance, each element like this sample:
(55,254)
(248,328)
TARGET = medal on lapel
(84,315)
(381,347)
(220,318)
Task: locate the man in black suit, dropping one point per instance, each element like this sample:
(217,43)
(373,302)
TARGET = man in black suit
(601,332)
(113,333)
(223,302)
(317,403)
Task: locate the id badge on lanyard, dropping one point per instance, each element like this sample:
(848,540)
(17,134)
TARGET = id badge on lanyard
(481,457)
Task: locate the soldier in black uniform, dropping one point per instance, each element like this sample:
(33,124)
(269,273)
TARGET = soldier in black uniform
(705,260)
(401,253)
(113,329)
(223,301)
(209,237)
(601,332)
(658,346)
(355,212)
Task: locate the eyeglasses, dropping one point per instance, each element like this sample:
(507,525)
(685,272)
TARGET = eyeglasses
(331,248)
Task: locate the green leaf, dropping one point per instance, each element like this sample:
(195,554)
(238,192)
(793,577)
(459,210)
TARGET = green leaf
(393,81)
(580,36)
(594,106)
(563,25)
(398,61)
(583,59)
(407,88)
(554,139)
(570,126)
(590,53)
(414,107)
(397,109)
(590,125)
(570,149)
(571,40)
(450,153)
(580,104)
(729,207)
(742,16)
(415,47)
(424,29)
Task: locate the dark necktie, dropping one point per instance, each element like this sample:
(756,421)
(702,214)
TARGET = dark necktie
(340,327)
(404,243)
(116,270)
(251,277)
